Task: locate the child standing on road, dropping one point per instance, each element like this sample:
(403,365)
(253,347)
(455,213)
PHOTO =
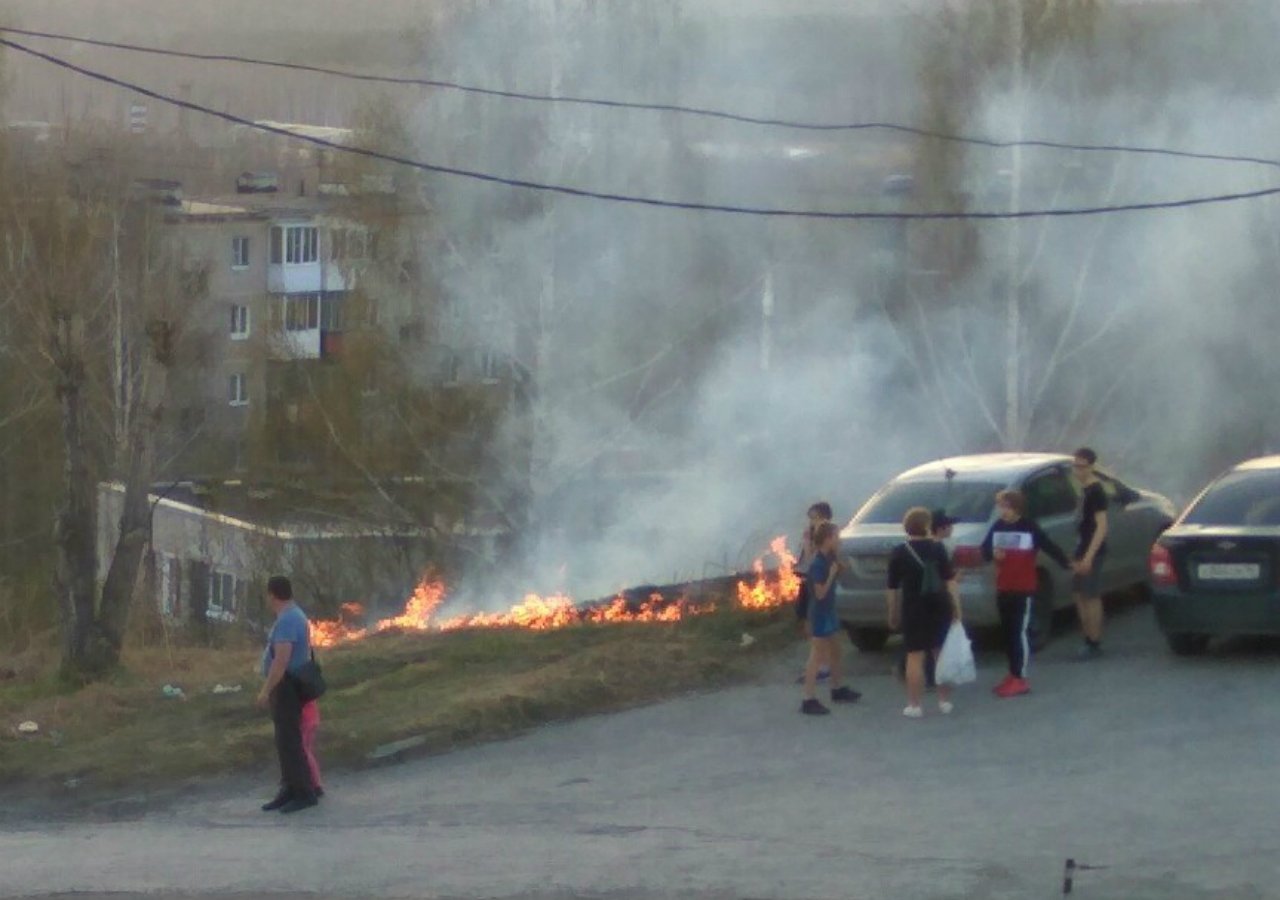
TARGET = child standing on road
(819,513)
(824,627)
(1014,542)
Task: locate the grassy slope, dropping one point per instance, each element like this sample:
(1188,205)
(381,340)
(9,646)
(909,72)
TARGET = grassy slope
(453,689)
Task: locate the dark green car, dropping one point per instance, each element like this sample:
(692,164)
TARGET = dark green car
(1216,571)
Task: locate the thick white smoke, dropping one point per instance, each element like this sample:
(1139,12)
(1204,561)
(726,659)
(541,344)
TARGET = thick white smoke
(681,418)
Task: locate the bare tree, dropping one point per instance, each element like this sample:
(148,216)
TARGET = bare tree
(96,296)
(973,306)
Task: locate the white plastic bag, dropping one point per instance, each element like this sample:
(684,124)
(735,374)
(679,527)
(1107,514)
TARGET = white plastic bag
(955,662)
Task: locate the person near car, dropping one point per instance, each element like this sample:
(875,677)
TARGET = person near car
(1014,542)
(824,626)
(288,650)
(818,513)
(923,602)
(941,529)
(1090,551)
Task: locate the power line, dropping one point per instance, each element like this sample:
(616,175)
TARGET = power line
(567,190)
(702,112)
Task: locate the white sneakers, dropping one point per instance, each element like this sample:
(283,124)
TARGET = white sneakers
(945,707)
(916,712)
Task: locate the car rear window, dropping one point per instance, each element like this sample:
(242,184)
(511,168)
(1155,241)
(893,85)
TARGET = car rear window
(968,501)
(1241,498)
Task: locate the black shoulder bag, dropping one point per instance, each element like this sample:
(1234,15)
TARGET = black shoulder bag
(310,680)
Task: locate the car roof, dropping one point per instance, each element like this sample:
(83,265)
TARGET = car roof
(1262,462)
(999,466)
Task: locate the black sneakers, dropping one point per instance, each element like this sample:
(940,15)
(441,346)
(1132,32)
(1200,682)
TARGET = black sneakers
(813,708)
(280,800)
(299,803)
(845,695)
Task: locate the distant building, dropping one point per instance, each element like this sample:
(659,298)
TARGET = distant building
(214,544)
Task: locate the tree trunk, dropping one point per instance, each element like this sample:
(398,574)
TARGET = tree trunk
(134,537)
(126,561)
(84,653)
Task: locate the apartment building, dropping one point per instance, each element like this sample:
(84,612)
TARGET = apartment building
(280,271)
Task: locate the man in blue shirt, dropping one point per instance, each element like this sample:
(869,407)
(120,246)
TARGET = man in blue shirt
(288,649)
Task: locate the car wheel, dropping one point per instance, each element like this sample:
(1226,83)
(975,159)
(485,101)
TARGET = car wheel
(1188,644)
(868,640)
(1043,615)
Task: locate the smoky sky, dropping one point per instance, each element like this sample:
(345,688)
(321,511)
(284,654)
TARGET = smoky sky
(699,379)
(1144,335)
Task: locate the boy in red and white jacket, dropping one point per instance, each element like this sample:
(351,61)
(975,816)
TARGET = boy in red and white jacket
(1014,542)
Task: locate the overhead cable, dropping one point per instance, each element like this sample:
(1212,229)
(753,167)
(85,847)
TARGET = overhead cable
(585,193)
(702,112)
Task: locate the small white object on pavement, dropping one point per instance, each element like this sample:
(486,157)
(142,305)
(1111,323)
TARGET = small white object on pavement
(747,640)
(28,728)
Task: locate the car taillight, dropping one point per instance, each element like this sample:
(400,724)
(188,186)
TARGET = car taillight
(967,557)
(1160,562)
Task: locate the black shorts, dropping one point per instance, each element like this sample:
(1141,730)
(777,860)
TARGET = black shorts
(1090,585)
(925,625)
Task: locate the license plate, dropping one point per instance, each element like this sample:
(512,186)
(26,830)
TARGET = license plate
(1229,571)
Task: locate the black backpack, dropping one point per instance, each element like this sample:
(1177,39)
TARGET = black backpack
(931,583)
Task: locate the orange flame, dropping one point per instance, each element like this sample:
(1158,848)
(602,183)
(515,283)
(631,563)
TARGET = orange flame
(762,590)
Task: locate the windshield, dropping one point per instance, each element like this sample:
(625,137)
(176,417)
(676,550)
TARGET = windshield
(966,501)
(1242,498)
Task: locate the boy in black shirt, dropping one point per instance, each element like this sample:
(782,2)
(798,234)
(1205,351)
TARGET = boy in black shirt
(1091,551)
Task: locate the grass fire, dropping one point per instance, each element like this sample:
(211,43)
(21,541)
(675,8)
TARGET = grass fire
(772,582)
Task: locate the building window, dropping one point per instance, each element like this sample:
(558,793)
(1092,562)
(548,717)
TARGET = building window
(238,390)
(222,596)
(331,317)
(348,244)
(239,322)
(301,312)
(239,253)
(294,244)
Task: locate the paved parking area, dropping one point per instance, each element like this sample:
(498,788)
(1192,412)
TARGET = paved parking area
(1164,771)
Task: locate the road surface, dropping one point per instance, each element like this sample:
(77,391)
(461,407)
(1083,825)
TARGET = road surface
(1164,771)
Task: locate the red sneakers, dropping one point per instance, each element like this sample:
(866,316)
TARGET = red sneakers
(1014,687)
(1002,685)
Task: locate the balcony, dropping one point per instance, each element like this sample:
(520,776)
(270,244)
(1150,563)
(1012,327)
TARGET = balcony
(296,266)
(307,325)
(295,278)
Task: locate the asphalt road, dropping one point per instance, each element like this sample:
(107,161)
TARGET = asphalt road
(1164,771)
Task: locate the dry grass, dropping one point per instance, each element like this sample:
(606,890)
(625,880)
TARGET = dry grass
(452,689)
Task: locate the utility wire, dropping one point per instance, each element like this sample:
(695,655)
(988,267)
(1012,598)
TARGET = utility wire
(567,190)
(653,107)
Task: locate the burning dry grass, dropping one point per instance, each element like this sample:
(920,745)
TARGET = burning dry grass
(451,688)
(425,609)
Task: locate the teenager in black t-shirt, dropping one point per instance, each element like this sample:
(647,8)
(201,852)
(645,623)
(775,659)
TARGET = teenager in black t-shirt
(1091,551)
(923,611)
